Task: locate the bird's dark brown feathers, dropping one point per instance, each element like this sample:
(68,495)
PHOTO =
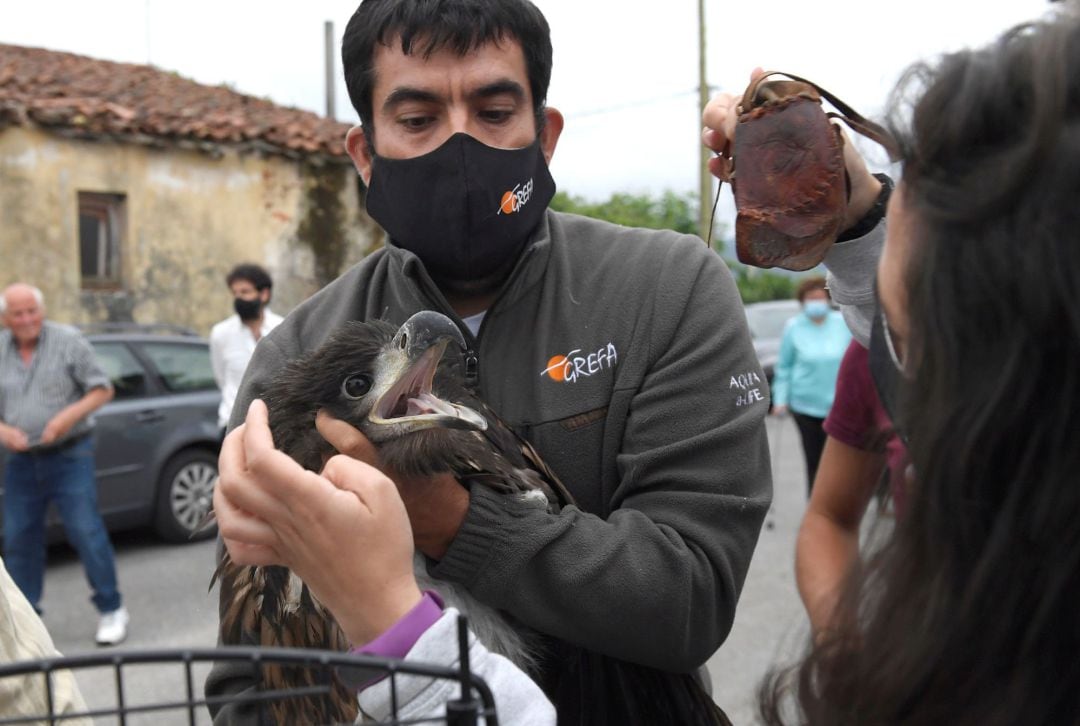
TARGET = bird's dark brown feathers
(256,607)
(588,688)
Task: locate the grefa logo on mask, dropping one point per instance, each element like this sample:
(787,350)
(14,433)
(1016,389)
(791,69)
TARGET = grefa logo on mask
(462,237)
(516,198)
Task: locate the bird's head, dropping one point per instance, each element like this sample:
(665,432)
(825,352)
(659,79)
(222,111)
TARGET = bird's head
(402,391)
(389,382)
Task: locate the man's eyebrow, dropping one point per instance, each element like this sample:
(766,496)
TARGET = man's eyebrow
(499,88)
(403,94)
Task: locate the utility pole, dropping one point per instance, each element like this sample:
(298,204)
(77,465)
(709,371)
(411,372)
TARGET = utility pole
(705,179)
(329,49)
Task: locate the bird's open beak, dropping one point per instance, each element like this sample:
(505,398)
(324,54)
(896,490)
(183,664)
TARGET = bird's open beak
(409,404)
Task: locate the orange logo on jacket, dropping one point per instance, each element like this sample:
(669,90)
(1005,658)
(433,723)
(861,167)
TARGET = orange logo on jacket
(572,366)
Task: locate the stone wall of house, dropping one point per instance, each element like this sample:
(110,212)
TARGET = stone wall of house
(190,216)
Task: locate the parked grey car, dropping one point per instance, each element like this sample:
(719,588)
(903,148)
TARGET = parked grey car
(767,321)
(158,439)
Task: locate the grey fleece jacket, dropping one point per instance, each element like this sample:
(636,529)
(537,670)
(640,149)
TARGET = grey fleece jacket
(624,357)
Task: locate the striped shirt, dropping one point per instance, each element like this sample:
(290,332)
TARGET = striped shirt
(62,370)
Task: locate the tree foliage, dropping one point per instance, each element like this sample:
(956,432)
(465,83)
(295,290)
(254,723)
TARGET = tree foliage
(759,285)
(669,211)
(679,213)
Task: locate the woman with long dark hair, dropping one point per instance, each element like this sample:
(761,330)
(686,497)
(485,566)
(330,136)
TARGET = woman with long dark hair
(970,614)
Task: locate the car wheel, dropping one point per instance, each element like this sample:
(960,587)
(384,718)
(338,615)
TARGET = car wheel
(185,495)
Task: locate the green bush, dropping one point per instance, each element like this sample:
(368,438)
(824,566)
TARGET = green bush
(679,213)
(759,285)
(670,211)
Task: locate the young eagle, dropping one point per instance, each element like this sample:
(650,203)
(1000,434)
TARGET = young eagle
(397,388)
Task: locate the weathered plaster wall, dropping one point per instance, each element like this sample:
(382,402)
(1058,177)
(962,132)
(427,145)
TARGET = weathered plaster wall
(190,217)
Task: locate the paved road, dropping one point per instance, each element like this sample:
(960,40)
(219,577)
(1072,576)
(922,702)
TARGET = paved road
(165,589)
(770,625)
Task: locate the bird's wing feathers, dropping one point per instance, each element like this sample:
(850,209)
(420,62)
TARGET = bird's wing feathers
(530,471)
(260,607)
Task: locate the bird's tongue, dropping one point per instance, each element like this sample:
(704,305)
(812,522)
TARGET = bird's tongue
(427,403)
(411,404)
(411,395)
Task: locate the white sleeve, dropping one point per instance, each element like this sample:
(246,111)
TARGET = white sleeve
(518,700)
(217,357)
(852,267)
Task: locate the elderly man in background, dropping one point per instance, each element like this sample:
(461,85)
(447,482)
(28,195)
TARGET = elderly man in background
(50,384)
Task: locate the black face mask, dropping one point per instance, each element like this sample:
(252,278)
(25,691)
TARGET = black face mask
(886,370)
(248,310)
(466,209)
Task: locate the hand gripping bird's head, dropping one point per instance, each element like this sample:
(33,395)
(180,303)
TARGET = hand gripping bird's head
(386,382)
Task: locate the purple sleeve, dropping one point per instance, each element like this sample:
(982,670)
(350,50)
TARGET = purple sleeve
(399,639)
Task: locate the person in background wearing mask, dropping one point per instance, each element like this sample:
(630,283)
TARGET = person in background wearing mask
(805,380)
(616,352)
(232,341)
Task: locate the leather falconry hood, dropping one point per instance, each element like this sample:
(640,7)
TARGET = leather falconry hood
(788,176)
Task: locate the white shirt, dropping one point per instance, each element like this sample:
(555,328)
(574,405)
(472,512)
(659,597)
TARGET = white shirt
(473,322)
(231,346)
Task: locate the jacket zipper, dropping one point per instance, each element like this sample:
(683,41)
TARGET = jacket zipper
(471,356)
(472,369)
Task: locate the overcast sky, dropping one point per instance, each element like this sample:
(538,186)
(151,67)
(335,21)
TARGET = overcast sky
(625,71)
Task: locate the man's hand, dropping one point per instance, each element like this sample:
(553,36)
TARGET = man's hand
(437,505)
(344,532)
(721,117)
(57,427)
(13,439)
(67,417)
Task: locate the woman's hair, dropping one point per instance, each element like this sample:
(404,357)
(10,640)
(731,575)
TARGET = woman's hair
(808,285)
(970,614)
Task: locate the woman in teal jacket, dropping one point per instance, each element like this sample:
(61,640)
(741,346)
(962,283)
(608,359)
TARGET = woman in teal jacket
(805,379)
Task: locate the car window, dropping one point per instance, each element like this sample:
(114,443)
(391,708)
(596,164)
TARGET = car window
(183,366)
(769,322)
(126,373)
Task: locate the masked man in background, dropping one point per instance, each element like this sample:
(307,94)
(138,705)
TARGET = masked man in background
(232,341)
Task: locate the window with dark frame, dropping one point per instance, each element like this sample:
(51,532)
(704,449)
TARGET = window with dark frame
(101,230)
(124,370)
(183,366)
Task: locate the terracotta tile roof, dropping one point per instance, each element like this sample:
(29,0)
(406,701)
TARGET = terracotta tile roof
(94,99)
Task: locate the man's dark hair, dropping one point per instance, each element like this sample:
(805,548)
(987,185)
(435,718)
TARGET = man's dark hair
(428,26)
(255,274)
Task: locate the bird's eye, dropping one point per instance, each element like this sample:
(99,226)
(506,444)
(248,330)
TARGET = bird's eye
(356,386)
